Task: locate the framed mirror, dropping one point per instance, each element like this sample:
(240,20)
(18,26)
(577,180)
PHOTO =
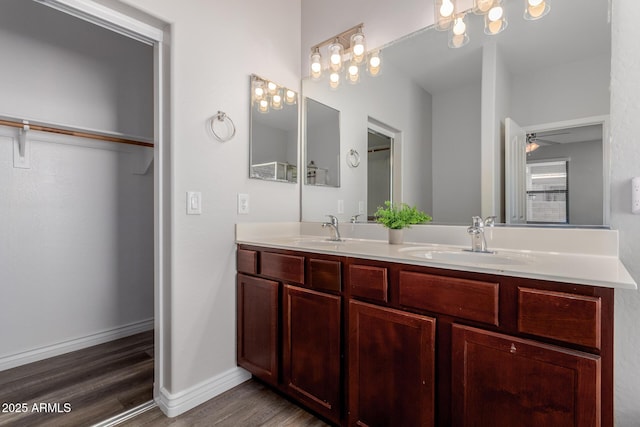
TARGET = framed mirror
(322,144)
(273,153)
(449,108)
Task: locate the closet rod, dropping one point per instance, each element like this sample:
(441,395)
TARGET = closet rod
(79,133)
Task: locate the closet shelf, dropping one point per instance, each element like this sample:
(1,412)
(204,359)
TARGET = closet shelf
(74,132)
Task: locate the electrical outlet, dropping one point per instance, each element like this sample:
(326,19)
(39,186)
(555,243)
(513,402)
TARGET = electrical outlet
(194,203)
(243,203)
(635,195)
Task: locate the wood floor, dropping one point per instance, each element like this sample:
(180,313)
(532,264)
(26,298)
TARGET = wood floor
(247,405)
(96,383)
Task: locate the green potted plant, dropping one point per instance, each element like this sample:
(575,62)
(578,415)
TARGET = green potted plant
(396,217)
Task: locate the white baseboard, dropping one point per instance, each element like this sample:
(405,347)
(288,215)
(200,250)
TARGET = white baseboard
(175,404)
(22,358)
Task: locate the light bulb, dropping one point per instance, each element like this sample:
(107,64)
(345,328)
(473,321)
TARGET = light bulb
(271,87)
(334,80)
(446,9)
(316,65)
(336,56)
(290,97)
(358,48)
(534,2)
(259,93)
(374,63)
(495,13)
(353,73)
(276,101)
(459,27)
(263,106)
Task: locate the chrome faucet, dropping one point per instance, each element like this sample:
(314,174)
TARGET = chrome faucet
(354,218)
(333,223)
(476,231)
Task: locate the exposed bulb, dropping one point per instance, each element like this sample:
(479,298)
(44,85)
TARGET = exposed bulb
(358,48)
(290,97)
(353,73)
(446,9)
(335,58)
(316,65)
(459,27)
(374,64)
(495,13)
(263,106)
(276,101)
(258,93)
(535,2)
(334,80)
(271,87)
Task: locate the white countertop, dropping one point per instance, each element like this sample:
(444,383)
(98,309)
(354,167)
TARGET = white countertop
(568,267)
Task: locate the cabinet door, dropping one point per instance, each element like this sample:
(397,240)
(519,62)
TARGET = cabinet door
(500,380)
(257,301)
(391,367)
(311,355)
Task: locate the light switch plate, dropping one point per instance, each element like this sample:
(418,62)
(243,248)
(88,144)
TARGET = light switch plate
(243,203)
(194,203)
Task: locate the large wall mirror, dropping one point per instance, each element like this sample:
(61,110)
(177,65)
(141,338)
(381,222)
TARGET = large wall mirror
(274,132)
(449,108)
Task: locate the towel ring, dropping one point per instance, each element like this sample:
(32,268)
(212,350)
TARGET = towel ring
(353,158)
(221,116)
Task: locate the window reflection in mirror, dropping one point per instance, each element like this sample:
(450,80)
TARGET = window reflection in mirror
(322,144)
(274,132)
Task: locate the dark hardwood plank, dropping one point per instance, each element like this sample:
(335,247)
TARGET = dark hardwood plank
(97,383)
(249,404)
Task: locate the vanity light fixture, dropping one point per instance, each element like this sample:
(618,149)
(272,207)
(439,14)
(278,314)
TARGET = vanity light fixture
(347,48)
(266,95)
(536,9)
(495,20)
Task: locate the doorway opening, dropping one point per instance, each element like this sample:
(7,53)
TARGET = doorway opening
(383,166)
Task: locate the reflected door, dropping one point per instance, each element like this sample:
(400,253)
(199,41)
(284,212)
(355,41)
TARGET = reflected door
(378,170)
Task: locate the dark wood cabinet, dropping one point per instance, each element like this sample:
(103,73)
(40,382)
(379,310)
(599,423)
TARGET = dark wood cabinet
(391,367)
(311,349)
(374,343)
(257,329)
(503,381)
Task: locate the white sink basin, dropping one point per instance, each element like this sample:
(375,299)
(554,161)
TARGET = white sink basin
(466,257)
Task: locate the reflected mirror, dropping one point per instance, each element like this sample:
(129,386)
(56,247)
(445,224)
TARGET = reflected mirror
(449,107)
(322,142)
(273,153)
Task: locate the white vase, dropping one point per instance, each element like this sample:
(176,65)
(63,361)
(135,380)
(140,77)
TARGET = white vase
(396,236)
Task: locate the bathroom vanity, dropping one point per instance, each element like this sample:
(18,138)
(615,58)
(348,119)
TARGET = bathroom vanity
(366,333)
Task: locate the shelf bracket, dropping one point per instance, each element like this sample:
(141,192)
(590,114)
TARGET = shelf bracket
(22,148)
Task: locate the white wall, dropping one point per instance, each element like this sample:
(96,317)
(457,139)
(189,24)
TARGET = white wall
(76,252)
(456,154)
(625,163)
(215,46)
(374,97)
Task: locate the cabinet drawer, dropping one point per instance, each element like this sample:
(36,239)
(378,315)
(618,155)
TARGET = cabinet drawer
(562,316)
(247,261)
(468,299)
(325,274)
(289,268)
(369,282)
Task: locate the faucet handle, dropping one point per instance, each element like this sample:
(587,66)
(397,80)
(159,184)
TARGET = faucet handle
(490,221)
(354,218)
(333,219)
(476,221)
